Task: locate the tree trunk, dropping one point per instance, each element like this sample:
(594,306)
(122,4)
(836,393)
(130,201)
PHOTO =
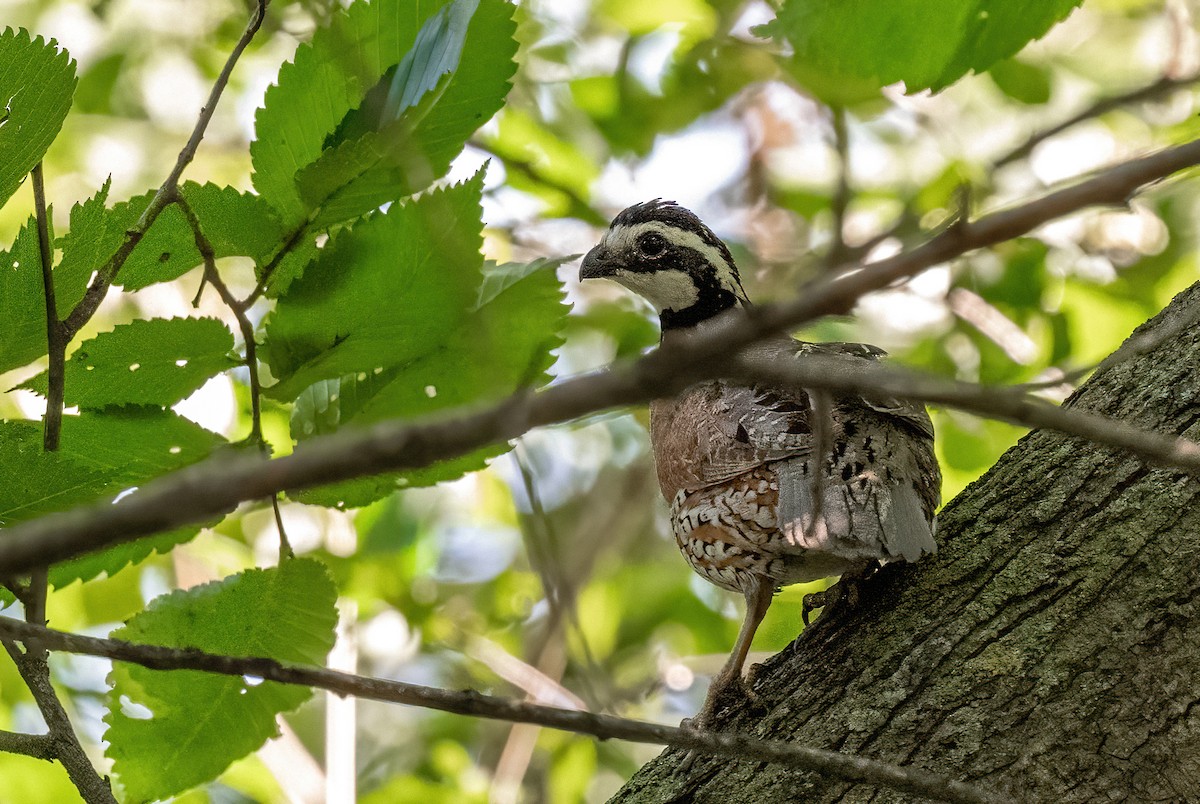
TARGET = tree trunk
(1050,651)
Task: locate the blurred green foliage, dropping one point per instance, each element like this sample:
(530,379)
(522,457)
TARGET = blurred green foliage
(402,277)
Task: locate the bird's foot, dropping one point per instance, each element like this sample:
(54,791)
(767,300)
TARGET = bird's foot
(847,591)
(753,699)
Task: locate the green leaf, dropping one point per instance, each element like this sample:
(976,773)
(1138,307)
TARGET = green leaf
(166,252)
(171,730)
(84,248)
(147,362)
(135,444)
(506,343)
(33,482)
(925,45)
(453,80)
(236,224)
(22,301)
(317,92)
(37,81)
(380,294)
(1022,82)
(22,294)
(361,175)
(100,456)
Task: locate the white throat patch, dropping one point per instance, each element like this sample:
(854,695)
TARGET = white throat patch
(666,290)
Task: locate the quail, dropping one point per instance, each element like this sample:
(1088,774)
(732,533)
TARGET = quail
(752,506)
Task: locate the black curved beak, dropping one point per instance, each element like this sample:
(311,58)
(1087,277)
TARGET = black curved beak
(595,264)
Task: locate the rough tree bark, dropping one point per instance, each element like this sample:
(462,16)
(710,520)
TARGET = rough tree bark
(1050,651)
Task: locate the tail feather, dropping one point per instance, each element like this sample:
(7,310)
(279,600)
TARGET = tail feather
(907,533)
(881,520)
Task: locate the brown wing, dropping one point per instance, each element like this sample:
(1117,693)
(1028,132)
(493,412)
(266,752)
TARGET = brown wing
(718,430)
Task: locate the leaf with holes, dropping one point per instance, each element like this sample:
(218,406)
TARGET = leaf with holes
(22,301)
(505,344)
(147,362)
(172,730)
(383,293)
(236,224)
(322,88)
(843,47)
(37,82)
(84,248)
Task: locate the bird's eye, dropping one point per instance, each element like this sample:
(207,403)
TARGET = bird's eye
(652,244)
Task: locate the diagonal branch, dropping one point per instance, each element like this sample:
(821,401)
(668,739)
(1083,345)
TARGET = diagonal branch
(1160,88)
(831,763)
(108,273)
(219,484)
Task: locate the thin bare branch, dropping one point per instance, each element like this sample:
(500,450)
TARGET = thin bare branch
(213,277)
(217,485)
(107,274)
(56,343)
(1159,89)
(838,252)
(580,207)
(33,665)
(831,763)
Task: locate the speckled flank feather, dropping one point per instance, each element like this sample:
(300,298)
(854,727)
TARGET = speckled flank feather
(737,463)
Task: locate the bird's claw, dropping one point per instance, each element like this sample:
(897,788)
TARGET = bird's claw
(847,590)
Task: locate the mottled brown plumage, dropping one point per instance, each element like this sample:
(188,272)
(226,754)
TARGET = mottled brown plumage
(753,505)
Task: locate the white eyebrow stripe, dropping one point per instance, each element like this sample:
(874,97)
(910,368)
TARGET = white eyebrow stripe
(620,238)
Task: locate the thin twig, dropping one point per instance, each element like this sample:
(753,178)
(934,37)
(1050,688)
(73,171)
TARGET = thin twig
(60,743)
(213,277)
(837,253)
(1163,86)
(580,207)
(1136,345)
(104,277)
(55,340)
(290,242)
(33,665)
(551,569)
(821,407)
(217,485)
(466,702)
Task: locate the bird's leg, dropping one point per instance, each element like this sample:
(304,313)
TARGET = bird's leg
(846,590)
(758,591)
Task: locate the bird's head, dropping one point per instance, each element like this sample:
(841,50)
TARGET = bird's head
(667,255)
